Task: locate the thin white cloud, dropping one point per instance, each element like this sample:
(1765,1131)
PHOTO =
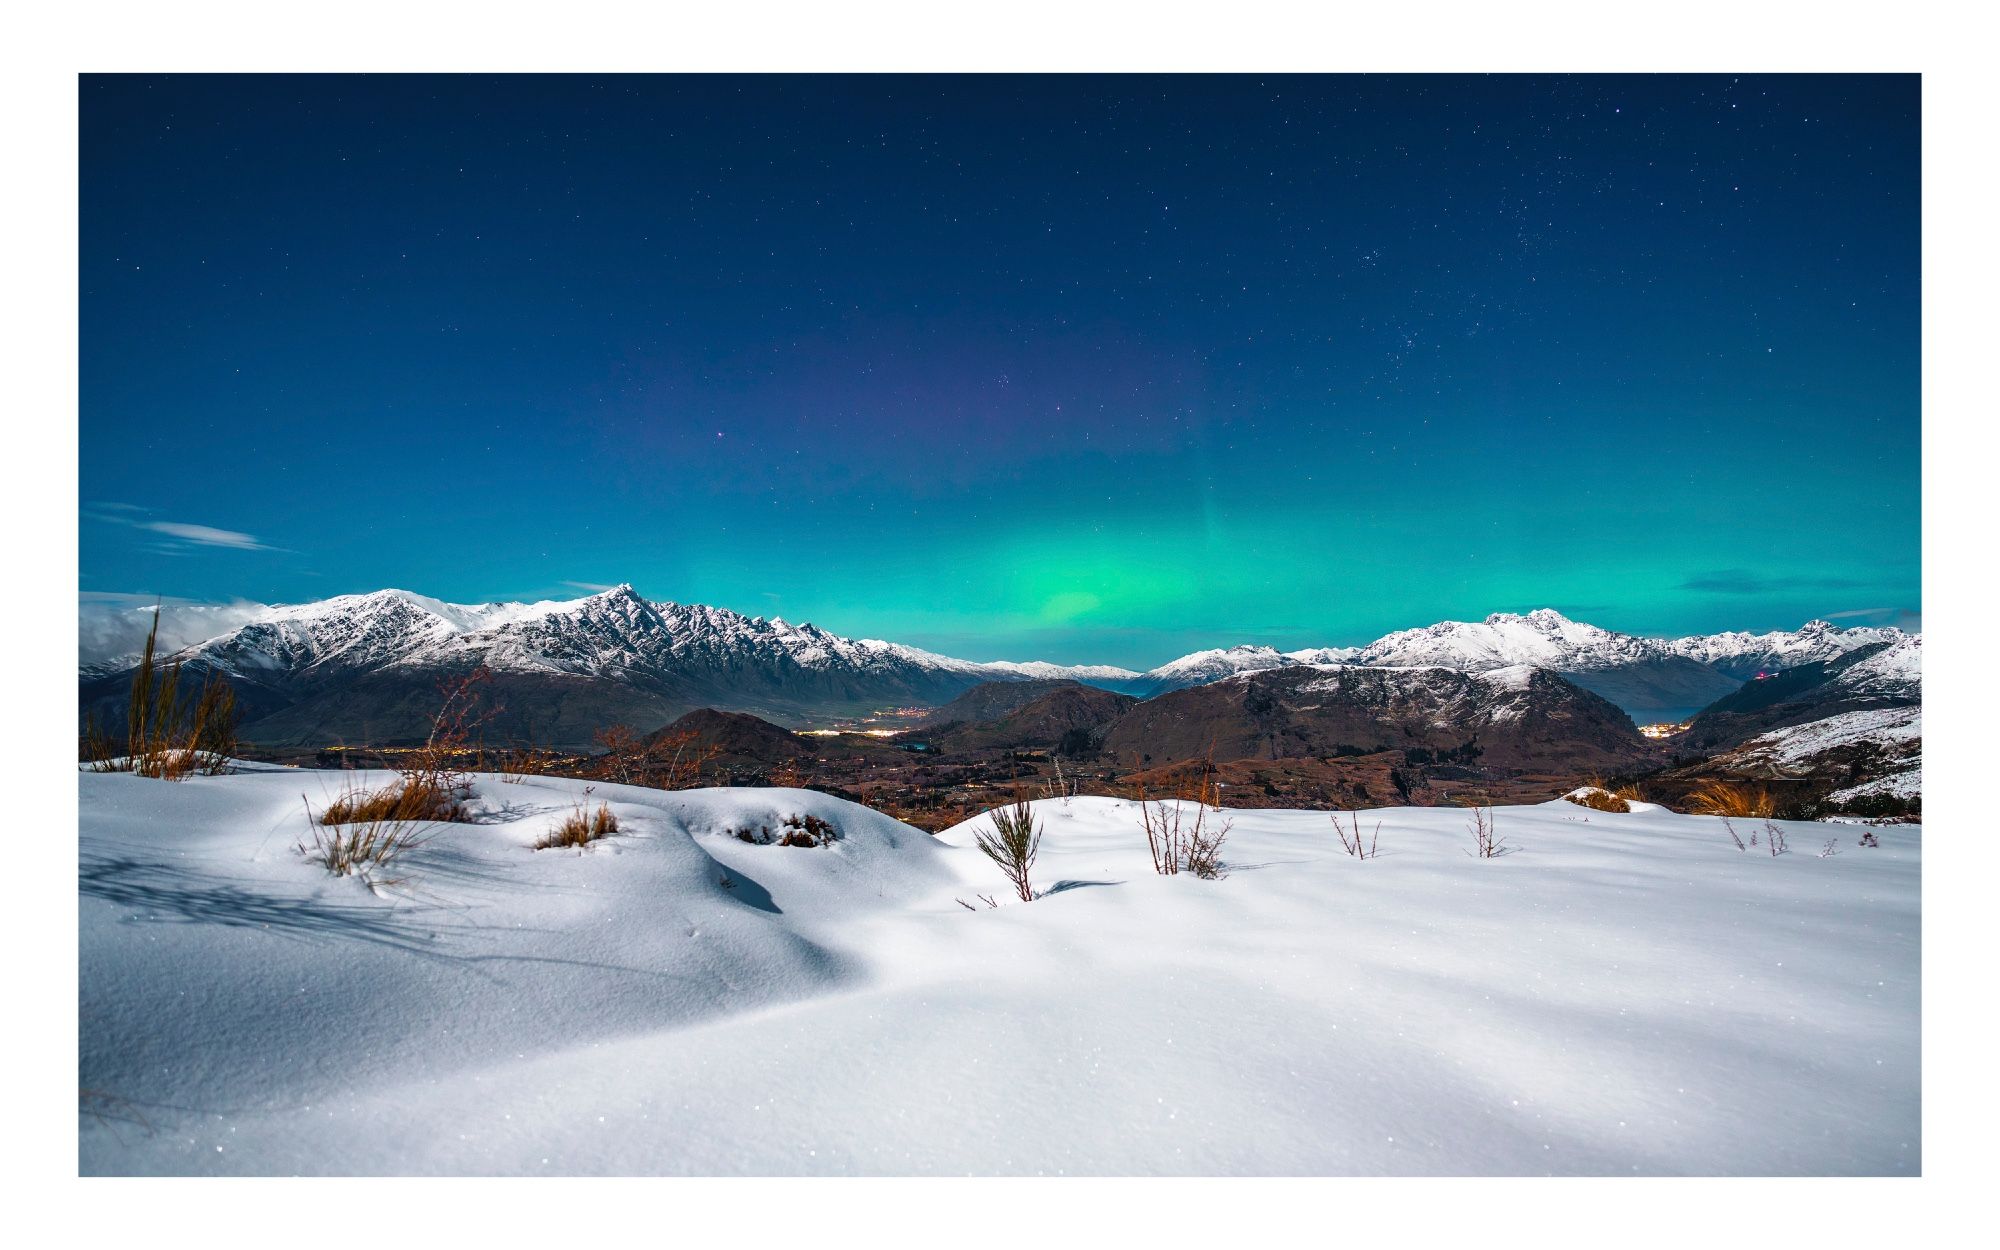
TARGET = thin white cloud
(592,587)
(176,537)
(206,535)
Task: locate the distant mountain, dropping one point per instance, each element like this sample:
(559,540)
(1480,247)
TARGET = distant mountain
(1876,753)
(366,667)
(1844,732)
(1743,656)
(1645,676)
(991,700)
(1651,678)
(1202,667)
(1881,675)
(1517,718)
(739,738)
(1064,715)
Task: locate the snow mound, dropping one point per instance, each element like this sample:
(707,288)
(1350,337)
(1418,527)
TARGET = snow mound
(1627,993)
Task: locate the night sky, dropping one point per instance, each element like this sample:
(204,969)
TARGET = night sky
(1084,369)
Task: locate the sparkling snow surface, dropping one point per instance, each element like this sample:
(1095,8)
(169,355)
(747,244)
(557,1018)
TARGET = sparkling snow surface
(1625,994)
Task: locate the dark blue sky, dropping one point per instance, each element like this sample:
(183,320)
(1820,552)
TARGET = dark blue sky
(1074,368)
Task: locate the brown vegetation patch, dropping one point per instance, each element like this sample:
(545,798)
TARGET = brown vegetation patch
(580,828)
(414,796)
(1597,799)
(1730,798)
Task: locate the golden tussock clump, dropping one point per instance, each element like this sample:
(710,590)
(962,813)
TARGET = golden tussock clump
(1730,798)
(580,828)
(1598,799)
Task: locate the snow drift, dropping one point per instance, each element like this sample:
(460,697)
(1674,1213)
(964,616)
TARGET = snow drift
(1627,993)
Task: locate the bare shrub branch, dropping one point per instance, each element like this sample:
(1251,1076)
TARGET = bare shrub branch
(1350,839)
(1179,844)
(1488,844)
(662,761)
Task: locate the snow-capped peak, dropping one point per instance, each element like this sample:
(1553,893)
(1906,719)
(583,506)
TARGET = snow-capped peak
(614,631)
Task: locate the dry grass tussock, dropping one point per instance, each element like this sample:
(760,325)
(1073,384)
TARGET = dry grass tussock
(1598,799)
(1730,798)
(363,829)
(167,735)
(580,828)
(363,846)
(413,796)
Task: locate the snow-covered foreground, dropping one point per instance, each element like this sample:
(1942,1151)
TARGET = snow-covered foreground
(1625,994)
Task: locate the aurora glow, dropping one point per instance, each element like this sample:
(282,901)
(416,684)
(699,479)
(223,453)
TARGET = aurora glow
(1079,369)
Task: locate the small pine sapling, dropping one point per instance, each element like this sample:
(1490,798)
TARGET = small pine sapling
(1012,844)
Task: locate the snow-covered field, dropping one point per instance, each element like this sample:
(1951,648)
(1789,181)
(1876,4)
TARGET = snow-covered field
(1624,994)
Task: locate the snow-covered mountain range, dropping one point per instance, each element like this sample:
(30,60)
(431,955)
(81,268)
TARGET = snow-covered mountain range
(668,657)
(362,666)
(1652,678)
(609,633)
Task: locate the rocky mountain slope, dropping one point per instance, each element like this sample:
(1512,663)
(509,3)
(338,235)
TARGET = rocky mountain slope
(1843,734)
(1865,755)
(1881,675)
(1066,716)
(738,738)
(1515,718)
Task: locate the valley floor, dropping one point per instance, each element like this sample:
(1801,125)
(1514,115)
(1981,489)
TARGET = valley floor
(1624,994)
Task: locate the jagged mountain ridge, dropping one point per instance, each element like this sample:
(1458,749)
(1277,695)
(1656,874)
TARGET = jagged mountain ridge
(365,667)
(1744,655)
(1651,678)
(361,666)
